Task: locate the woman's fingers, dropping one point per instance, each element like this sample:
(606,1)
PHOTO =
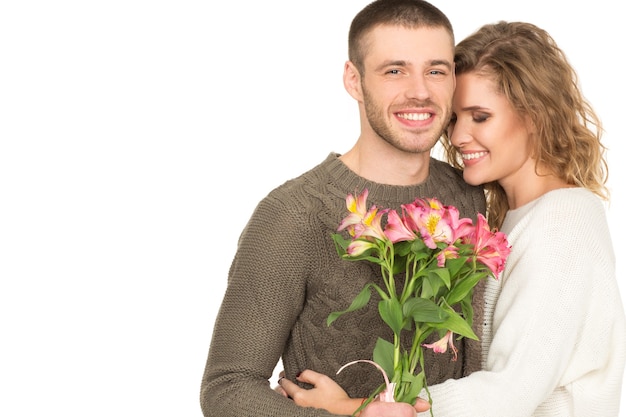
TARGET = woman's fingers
(278,388)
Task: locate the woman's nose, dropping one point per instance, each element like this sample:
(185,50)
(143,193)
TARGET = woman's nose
(458,135)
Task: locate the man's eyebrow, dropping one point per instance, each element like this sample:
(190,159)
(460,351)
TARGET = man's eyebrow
(443,62)
(403,63)
(392,63)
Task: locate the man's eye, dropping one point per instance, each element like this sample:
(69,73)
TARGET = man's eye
(393,72)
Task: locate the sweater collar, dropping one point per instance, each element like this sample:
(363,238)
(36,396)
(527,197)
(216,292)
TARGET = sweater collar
(352,183)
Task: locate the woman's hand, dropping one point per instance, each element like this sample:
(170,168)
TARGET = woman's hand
(327,394)
(383,409)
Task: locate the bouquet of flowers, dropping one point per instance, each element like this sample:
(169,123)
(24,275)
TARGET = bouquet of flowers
(440,258)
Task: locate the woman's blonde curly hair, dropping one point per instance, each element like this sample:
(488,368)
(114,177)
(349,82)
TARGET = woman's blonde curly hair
(533,73)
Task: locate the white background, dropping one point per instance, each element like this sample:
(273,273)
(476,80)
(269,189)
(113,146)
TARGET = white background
(136,139)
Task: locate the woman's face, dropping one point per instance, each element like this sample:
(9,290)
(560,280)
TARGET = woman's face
(491,136)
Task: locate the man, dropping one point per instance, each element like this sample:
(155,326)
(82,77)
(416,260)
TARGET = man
(286,277)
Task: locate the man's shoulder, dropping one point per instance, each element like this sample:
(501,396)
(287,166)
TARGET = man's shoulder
(314,175)
(311,181)
(439,167)
(443,172)
(451,189)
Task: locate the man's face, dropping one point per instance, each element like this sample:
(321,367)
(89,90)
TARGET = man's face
(408,83)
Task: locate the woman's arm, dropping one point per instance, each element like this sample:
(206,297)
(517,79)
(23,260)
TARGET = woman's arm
(327,394)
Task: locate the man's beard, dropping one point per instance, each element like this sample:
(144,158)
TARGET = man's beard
(376,118)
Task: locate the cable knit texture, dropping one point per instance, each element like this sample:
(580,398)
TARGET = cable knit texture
(286,278)
(555,335)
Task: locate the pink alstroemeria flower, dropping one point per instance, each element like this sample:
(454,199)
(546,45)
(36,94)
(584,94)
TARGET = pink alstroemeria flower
(429,217)
(371,225)
(491,249)
(358,246)
(441,345)
(362,222)
(450,252)
(358,210)
(397,230)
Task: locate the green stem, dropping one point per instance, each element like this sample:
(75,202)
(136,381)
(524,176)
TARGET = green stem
(397,355)
(430,399)
(410,280)
(416,350)
(387,268)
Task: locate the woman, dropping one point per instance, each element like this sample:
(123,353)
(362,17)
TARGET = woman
(554,341)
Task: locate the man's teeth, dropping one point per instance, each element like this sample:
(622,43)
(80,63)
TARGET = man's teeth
(414,116)
(474,155)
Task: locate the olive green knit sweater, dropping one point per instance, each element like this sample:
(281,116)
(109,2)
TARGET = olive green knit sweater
(286,278)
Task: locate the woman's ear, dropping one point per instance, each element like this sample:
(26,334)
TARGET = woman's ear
(352,81)
(530,125)
(531,130)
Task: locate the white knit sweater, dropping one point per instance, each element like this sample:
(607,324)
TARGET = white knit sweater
(554,341)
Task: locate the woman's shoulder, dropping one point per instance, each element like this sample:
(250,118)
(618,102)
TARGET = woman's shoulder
(574,206)
(571,198)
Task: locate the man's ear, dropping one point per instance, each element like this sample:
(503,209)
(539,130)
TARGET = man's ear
(352,81)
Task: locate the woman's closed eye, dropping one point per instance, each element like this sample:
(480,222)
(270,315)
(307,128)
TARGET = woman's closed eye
(480,117)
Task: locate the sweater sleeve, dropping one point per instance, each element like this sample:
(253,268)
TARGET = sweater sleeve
(554,300)
(264,296)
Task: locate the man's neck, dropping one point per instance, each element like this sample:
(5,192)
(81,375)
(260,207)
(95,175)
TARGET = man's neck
(387,165)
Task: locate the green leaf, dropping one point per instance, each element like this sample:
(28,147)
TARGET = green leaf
(464,287)
(411,386)
(359,302)
(399,265)
(427,289)
(456,324)
(383,355)
(443,274)
(391,312)
(455,265)
(468,310)
(423,310)
(418,247)
(402,249)
(365,256)
(434,285)
(341,243)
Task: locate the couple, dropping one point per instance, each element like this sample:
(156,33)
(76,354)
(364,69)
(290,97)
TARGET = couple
(552,329)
